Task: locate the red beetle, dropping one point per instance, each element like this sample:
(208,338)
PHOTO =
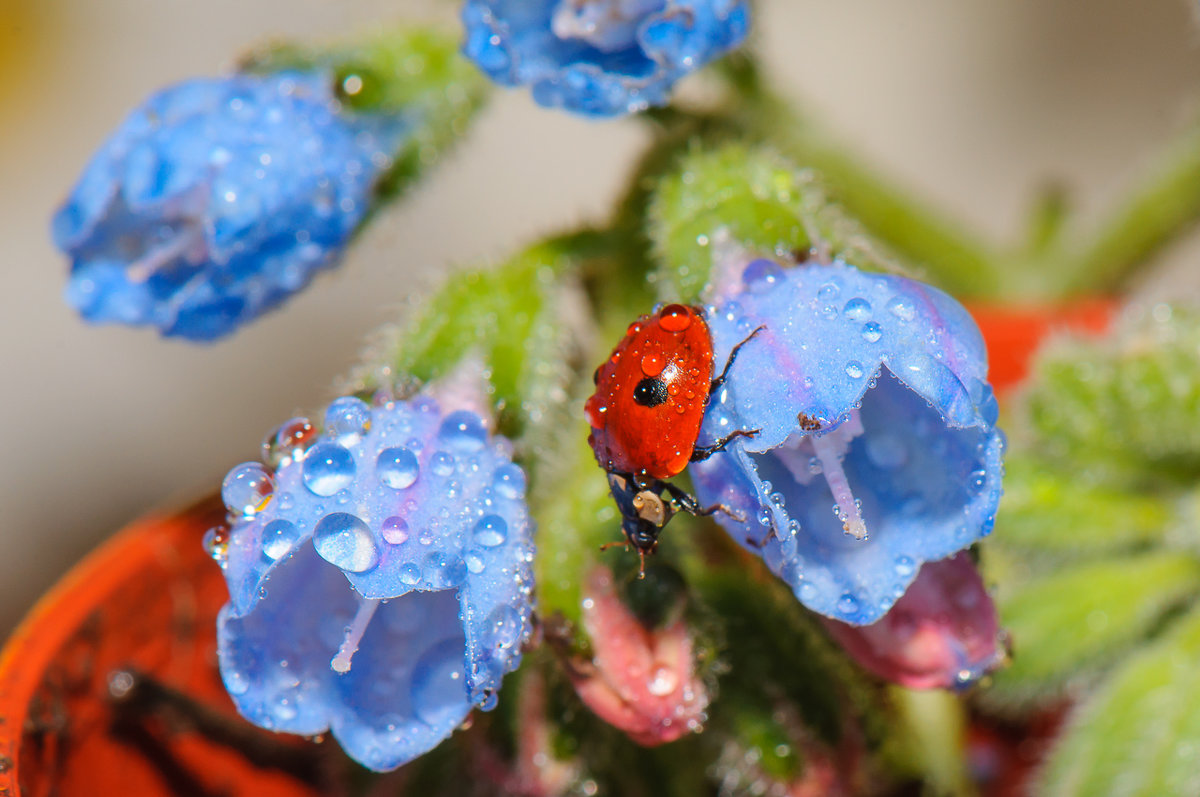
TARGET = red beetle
(650,399)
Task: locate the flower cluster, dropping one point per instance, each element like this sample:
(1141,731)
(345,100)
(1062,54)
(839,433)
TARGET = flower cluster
(379,576)
(219,198)
(600,57)
(876,448)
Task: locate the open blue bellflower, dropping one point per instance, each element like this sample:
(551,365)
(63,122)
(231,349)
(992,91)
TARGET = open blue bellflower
(218,198)
(379,576)
(877,447)
(600,57)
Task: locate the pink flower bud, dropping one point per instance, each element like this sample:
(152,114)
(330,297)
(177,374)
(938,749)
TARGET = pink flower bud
(641,680)
(942,633)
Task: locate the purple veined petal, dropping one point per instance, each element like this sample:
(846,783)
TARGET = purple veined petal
(877,448)
(380,578)
(219,198)
(603,58)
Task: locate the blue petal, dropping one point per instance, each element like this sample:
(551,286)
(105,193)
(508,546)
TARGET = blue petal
(218,199)
(903,359)
(405,503)
(628,67)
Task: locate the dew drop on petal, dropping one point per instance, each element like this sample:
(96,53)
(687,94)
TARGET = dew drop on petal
(902,308)
(441,463)
(503,629)
(847,604)
(490,531)
(347,420)
(509,481)
(397,468)
(474,560)
(439,689)
(394,530)
(247,489)
(288,442)
(344,541)
(872,332)
(278,537)
(904,566)
(328,468)
(760,276)
(410,574)
(463,431)
(857,309)
(854,369)
(663,682)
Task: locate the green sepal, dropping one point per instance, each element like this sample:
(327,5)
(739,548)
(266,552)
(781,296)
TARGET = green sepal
(512,317)
(1069,624)
(415,72)
(740,200)
(1124,410)
(1138,735)
(1052,511)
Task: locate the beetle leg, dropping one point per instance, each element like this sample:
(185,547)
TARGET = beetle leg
(701,453)
(689,504)
(720,380)
(623,543)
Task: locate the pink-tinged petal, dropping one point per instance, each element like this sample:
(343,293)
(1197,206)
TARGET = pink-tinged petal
(942,634)
(640,680)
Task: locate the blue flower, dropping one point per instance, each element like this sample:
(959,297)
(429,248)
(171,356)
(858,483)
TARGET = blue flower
(379,577)
(877,447)
(219,198)
(600,57)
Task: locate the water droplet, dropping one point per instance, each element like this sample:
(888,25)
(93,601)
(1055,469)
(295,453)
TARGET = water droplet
(278,537)
(857,309)
(872,332)
(439,691)
(509,481)
(216,543)
(247,489)
(761,275)
(442,572)
(828,291)
(854,369)
(236,681)
(397,468)
(847,604)
(344,541)
(463,431)
(663,682)
(288,442)
(395,530)
(441,463)
(488,700)
(328,468)
(675,318)
(490,531)
(807,591)
(503,628)
(653,364)
(474,559)
(904,566)
(902,308)
(410,574)
(347,420)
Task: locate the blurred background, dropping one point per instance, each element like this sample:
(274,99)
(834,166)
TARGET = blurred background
(972,106)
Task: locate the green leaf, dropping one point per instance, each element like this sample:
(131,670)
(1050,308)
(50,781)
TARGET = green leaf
(415,72)
(512,317)
(1070,623)
(1139,735)
(1054,512)
(1124,411)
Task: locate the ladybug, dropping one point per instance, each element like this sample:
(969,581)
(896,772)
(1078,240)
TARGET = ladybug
(645,415)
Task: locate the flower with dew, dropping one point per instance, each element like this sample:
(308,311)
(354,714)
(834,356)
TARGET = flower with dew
(600,57)
(218,198)
(876,447)
(379,575)
(942,634)
(639,679)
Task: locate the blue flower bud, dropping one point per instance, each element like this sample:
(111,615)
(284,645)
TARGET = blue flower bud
(600,57)
(379,577)
(876,448)
(219,198)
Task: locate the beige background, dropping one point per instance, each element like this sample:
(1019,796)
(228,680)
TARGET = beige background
(970,103)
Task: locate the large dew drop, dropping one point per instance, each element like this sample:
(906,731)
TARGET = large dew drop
(463,431)
(503,628)
(347,420)
(397,468)
(278,537)
(247,489)
(509,481)
(491,531)
(328,468)
(344,541)
(439,691)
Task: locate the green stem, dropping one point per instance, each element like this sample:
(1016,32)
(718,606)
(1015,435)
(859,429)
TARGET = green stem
(935,727)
